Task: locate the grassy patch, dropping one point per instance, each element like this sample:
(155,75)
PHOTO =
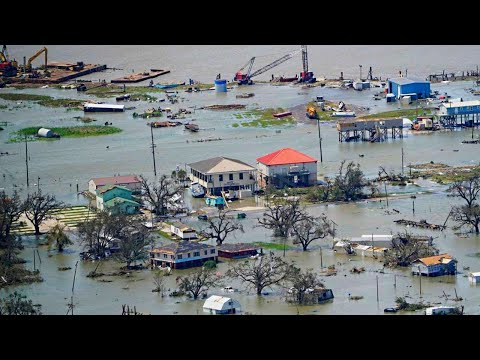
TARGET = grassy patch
(165,235)
(403,113)
(2,107)
(84,119)
(142,97)
(263,118)
(43,100)
(273,246)
(70,131)
(235,125)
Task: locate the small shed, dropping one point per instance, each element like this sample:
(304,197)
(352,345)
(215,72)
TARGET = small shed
(183,231)
(474,277)
(216,304)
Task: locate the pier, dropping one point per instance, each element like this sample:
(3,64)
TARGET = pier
(61,72)
(373,130)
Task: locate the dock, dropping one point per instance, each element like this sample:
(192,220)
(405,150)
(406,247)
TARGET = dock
(373,130)
(134,78)
(61,72)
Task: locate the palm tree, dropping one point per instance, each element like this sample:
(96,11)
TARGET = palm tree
(57,235)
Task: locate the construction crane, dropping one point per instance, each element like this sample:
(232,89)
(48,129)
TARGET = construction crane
(306,76)
(37,54)
(246,79)
(7,67)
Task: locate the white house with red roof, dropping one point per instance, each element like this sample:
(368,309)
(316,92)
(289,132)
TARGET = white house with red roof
(131,182)
(286,167)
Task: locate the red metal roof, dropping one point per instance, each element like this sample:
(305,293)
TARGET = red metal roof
(115,180)
(285,156)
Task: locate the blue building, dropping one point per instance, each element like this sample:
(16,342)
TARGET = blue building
(438,265)
(460,108)
(417,89)
(116,199)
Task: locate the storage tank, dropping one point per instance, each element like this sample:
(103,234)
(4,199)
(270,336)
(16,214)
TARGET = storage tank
(47,133)
(221,85)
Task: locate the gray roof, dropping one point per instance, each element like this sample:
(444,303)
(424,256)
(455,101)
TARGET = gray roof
(182,246)
(405,81)
(238,247)
(220,164)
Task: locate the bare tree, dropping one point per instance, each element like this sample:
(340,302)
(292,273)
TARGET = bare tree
(57,236)
(38,208)
(218,228)
(159,195)
(312,229)
(159,282)
(11,207)
(349,182)
(96,233)
(134,240)
(282,218)
(468,190)
(469,214)
(406,249)
(261,273)
(198,282)
(304,285)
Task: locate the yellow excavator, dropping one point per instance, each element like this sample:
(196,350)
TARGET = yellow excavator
(7,68)
(312,112)
(37,54)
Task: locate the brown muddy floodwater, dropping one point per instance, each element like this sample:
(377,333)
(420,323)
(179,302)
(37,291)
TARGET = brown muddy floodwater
(61,164)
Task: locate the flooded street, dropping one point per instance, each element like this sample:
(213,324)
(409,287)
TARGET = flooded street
(60,165)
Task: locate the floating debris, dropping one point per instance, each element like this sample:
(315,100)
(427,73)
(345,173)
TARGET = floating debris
(224,107)
(421,224)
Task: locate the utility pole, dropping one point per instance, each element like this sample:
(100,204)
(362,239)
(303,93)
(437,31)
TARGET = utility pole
(321,258)
(420,275)
(38,182)
(320,140)
(386,193)
(73,289)
(26,157)
(153,152)
(473,122)
(402,160)
(377,288)
(413,206)
(360,72)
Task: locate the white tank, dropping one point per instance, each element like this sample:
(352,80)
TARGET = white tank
(47,133)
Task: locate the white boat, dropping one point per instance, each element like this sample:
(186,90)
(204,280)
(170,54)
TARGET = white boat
(197,190)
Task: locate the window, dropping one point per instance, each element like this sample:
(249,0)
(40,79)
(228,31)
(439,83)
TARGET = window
(205,252)
(179,256)
(188,255)
(230,177)
(196,253)
(165,256)
(172,257)
(212,251)
(240,176)
(220,177)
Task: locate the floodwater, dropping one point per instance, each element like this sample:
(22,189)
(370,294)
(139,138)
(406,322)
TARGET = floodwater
(61,164)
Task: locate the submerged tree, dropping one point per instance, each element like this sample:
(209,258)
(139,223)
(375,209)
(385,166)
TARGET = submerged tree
(406,249)
(282,218)
(58,237)
(261,273)
(311,229)
(134,240)
(96,233)
(303,286)
(198,282)
(11,207)
(159,194)
(159,282)
(17,304)
(38,208)
(218,228)
(468,214)
(349,182)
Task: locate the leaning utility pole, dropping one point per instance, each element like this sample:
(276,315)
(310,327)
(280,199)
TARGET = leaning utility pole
(26,157)
(320,140)
(153,152)
(402,160)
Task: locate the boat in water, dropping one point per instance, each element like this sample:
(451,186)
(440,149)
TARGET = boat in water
(282,114)
(168,86)
(197,190)
(192,127)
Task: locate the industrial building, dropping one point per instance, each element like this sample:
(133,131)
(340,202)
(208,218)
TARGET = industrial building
(286,167)
(415,88)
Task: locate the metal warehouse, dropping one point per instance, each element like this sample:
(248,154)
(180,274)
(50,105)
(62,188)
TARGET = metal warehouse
(416,88)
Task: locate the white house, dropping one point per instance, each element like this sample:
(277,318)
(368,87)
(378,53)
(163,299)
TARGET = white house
(441,310)
(221,305)
(183,231)
(221,174)
(286,167)
(474,277)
